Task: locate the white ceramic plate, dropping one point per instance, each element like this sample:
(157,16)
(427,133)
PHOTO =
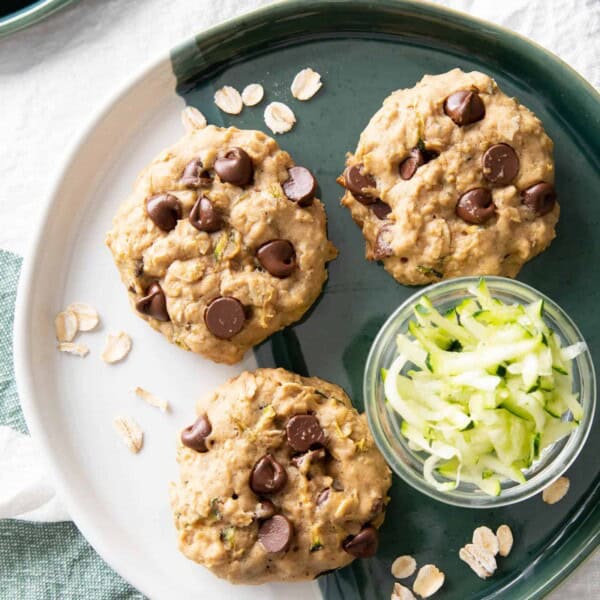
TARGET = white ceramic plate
(117,499)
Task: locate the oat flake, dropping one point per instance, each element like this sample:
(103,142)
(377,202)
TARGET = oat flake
(87,316)
(192,119)
(556,491)
(71,348)
(482,562)
(403,567)
(130,432)
(306,84)
(66,326)
(252,94)
(429,580)
(117,347)
(401,593)
(505,540)
(228,99)
(151,399)
(485,538)
(279,117)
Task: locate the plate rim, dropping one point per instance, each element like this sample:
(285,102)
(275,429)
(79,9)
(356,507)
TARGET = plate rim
(30,15)
(22,365)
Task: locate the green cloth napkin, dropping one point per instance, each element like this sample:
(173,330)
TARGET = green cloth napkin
(42,561)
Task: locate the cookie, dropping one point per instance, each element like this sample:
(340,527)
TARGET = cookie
(452,177)
(280,480)
(222,242)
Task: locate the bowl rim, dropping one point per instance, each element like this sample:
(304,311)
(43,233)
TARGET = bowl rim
(478,499)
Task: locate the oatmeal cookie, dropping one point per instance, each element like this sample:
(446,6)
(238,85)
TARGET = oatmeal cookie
(452,177)
(280,480)
(222,242)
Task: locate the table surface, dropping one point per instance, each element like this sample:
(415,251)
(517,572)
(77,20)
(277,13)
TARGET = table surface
(56,75)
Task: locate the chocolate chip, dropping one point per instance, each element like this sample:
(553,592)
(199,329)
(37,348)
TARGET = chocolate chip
(357,182)
(224,317)
(381,209)
(235,167)
(383,243)
(304,432)
(301,186)
(275,535)
(540,198)
(268,476)
(418,157)
(464,107)
(363,544)
(323,496)
(154,303)
(304,461)
(278,257)
(500,164)
(164,210)
(195,435)
(265,510)
(204,216)
(194,175)
(476,206)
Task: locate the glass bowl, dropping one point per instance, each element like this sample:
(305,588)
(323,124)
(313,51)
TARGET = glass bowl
(385,422)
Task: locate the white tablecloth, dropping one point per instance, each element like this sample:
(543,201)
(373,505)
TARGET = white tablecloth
(54,76)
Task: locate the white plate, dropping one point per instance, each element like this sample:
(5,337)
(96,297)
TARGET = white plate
(117,499)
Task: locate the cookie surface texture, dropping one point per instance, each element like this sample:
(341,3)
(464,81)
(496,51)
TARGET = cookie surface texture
(280,480)
(452,177)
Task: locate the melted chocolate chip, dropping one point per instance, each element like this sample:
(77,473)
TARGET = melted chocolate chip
(278,257)
(303,432)
(164,210)
(195,435)
(204,216)
(540,198)
(381,209)
(500,164)
(154,303)
(323,496)
(357,182)
(265,510)
(464,107)
(418,157)
(194,175)
(275,535)
(268,476)
(383,243)
(235,167)
(225,317)
(301,186)
(363,544)
(476,206)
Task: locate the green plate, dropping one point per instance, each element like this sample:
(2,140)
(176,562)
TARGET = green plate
(29,14)
(365,50)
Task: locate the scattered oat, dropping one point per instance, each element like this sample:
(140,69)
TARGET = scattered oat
(192,119)
(485,538)
(71,348)
(429,580)
(479,559)
(401,593)
(505,540)
(306,84)
(556,491)
(87,316)
(130,432)
(252,94)
(66,326)
(151,399)
(279,117)
(403,567)
(117,347)
(228,99)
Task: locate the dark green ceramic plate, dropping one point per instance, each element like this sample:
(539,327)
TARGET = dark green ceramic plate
(365,50)
(18,14)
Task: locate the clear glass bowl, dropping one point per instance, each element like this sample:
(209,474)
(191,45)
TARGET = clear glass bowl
(385,422)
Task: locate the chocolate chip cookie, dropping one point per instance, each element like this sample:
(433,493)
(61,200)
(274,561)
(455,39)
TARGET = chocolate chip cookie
(452,177)
(280,480)
(222,242)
